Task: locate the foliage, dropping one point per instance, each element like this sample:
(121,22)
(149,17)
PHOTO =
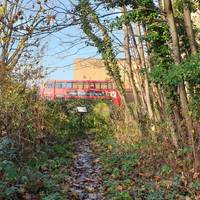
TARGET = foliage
(42,171)
(188,70)
(102,110)
(36,144)
(136,171)
(37,137)
(21,115)
(39,175)
(103,43)
(21,25)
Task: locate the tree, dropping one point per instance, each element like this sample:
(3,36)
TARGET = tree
(177,59)
(90,23)
(22,24)
(188,25)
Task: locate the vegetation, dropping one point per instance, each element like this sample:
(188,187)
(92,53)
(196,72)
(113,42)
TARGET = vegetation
(143,170)
(36,147)
(153,141)
(159,40)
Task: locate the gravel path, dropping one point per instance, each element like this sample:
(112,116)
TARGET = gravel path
(86,173)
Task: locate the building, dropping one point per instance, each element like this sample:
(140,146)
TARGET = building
(90,69)
(94,69)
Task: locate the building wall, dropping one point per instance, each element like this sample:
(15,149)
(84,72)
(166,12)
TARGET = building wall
(90,69)
(94,69)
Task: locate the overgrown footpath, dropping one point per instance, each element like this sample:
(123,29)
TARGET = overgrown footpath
(85,177)
(38,159)
(37,145)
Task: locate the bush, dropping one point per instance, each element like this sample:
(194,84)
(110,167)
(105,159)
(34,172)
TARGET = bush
(36,144)
(22,116)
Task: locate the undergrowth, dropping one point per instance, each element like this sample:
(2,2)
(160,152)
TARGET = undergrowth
(144,170)
(37,144)
(41,177)
(37,167)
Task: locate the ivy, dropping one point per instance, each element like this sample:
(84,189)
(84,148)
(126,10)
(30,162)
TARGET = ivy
(188,70)
(104,44)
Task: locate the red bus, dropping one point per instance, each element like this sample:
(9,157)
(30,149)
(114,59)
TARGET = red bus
(80,89)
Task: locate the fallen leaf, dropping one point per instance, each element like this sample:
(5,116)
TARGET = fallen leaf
(166,183)
(90,189)
(120,188)
(28,196)
(96,160)
(195,175)
(187,198)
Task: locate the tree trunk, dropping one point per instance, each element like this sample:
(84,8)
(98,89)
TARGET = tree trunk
(139,66)
(182,92)
(129,62)
(146,83)
(172,127)
(188,26)
(148,90)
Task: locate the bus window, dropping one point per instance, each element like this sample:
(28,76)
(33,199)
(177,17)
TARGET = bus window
(58,85)
(63,85)
(49,85)
(78,85)
(98,85)
(104,85)
(67,85)
(85,85)
(110,85)
(99,94)
(81,93)
(72,93)
(92,85)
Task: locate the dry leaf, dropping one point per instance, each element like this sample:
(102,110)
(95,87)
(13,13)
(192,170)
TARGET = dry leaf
(195,175)
(187,198)
(120,188)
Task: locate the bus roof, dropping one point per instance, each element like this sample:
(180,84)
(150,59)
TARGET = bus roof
(74,81)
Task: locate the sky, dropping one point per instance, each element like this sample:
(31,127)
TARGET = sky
(61,53)
(62,50)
